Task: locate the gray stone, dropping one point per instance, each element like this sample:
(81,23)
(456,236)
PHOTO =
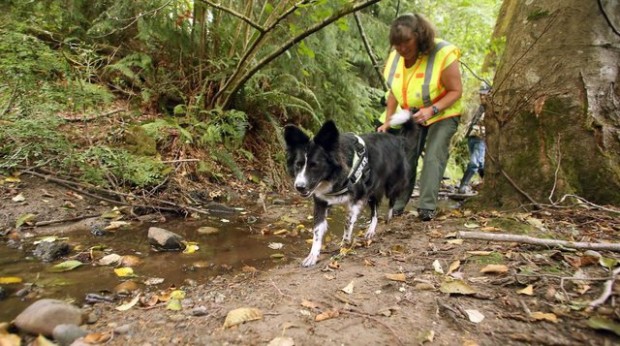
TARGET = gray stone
(165,240)
(42,316)
(51,251)
(66,334)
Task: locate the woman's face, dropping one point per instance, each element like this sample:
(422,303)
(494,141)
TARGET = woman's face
(408,48)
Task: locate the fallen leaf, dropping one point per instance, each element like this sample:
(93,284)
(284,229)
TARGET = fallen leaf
(130,304)
(471,225)
(116,225)
(495,269)
(277,255)
(153,281)
(10,340)
(174,305)
(349,288)
(475,316)
(42,341)
(18,198)
(66,266)
(24,219)
(10,280)
(241,315)
(609,263)
(454,266)
(281,341)
(97,338)
(334,265)
(124,272)
(455,241)
(396,277)
(429,336)
(456,287)
(310,305)
(437,267)
(190,247)
(326,315)
(275,246)
(528,291)
(544,316)
(130,261)
(603,323)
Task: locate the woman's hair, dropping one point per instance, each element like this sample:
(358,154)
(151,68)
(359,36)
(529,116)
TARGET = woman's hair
(419,26)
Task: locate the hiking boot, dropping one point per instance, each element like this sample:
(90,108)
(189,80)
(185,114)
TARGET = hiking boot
(426,214)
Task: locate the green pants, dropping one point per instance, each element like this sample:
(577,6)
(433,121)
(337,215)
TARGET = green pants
(435,142)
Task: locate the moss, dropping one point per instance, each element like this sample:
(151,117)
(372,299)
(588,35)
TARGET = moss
(511,225)
(493,258)
(138,142)
(537,14)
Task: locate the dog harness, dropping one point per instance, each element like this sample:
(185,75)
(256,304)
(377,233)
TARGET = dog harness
(358,167)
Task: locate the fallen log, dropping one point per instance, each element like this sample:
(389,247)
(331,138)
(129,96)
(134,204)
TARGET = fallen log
(516,238)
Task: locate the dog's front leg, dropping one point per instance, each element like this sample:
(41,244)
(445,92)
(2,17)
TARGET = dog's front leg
(319,229)
(373,205)
(354,212)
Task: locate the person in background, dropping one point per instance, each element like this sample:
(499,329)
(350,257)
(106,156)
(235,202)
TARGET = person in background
(424,78)
(475,141)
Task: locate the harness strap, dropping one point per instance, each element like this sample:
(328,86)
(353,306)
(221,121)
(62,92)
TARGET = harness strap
(426,93)
(358,166)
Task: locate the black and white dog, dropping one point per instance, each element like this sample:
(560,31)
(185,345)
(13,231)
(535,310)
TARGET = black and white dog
(337,168)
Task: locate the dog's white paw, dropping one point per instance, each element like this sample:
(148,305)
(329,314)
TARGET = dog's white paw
(369,234)
(310,260)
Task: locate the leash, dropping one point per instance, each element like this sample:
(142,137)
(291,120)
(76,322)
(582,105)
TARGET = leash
(358,166)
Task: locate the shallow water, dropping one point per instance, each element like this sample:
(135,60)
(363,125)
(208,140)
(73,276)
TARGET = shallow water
(239,243)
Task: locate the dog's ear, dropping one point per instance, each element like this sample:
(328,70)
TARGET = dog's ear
(327,137)
(295,137)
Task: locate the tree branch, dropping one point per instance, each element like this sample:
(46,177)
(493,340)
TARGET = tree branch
(371,55)
(236,14)
(287,45)
(499,237)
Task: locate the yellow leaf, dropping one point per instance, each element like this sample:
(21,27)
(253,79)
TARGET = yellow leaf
(528,291)
(495,269)
(9,280)
(12,180)
(471,225)
(174,305)
(66,266)
(241,315)
(190,247)
(456,287)
(396,277)
(10,340)
(543,316)
(326,315)
(124,272)
(177,294)
(454,266)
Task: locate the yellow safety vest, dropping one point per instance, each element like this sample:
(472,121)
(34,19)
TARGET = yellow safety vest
(420,85)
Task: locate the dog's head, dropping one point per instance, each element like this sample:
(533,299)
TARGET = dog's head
(312,161)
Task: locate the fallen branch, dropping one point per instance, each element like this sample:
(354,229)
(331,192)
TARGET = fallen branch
(51,222)
(537,241)
(607,289)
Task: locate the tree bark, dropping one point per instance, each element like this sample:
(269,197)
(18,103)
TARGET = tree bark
(553,125)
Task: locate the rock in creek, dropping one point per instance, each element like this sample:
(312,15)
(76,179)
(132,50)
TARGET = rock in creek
(66,334)
(165,240)
(51,251)
(42,316)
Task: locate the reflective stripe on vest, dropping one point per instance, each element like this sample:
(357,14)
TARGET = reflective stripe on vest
(393,70)
(426,92)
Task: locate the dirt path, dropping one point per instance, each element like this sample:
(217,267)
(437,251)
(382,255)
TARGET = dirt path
(392,291)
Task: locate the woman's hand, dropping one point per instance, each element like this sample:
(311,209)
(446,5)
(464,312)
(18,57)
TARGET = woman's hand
(423,115)
(383,128)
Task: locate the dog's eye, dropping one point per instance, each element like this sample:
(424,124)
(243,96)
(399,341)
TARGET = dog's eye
(311,165)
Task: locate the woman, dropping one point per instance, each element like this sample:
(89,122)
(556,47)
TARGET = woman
(424,76)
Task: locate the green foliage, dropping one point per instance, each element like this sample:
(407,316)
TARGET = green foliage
(35,141)
(99,165)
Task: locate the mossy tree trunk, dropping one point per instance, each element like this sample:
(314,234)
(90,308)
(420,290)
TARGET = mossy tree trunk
(554,124)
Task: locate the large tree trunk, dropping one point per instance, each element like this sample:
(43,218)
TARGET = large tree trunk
(554,124)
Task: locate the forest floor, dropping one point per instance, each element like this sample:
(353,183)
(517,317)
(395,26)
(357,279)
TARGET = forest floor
(416,283)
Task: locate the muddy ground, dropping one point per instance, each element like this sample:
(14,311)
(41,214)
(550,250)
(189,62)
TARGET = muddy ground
(389,292)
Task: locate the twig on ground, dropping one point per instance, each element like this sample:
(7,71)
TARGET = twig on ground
(537,241)
(365,315)
(607,289)
(51,222)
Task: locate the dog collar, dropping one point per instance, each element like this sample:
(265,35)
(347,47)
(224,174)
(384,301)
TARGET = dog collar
(358,165)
